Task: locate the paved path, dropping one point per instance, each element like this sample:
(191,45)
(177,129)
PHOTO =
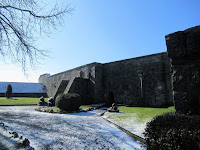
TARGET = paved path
(65,131)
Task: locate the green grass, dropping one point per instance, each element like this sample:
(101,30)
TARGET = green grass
(55,109)
(138,114)
(19,101)
(85,106)
(145,112)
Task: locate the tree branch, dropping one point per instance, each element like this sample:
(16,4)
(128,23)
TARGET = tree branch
(19,25)
(38,16)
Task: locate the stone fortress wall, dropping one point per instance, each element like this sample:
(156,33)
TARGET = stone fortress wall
(142,81)
(183,49)
(83,80)
(155,80)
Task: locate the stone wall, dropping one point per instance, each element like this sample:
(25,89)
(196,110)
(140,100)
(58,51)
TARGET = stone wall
(86,72)
(142,81)
(184,50)
(82,87)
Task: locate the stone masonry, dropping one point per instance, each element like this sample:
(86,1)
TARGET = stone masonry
(142,81)
(157,80)
(184,51)
(83,80)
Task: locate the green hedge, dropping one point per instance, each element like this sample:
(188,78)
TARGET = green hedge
(8,93)
(173,131)
(68,102)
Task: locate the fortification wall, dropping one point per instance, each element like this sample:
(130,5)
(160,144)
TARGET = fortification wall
(142,81)
(86,72)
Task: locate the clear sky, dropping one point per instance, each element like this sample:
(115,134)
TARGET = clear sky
(109,30)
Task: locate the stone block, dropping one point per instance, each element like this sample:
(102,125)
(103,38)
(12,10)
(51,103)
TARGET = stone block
(176,44)
(184,50)
(184,44)
(186,87)
(193,41)
(178,101)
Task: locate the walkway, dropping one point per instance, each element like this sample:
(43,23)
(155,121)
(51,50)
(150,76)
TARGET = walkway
(65,131)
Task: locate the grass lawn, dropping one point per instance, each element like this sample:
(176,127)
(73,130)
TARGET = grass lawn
(145,112)
(140,114)
(86,106)
(55,109)
(19,101)
(134,119)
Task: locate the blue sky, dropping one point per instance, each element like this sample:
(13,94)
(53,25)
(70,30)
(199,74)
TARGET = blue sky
(109,30)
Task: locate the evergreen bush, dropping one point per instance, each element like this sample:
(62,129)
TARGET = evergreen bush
(68,102)
(8,93)
(173,131)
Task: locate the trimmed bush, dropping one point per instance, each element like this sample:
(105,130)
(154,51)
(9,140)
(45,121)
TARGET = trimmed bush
(8,93)
(68,102)
(173,131)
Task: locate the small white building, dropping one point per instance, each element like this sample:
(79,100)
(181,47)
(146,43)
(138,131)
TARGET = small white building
(24,89)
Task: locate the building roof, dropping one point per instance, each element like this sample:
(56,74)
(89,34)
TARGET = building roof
(20,87)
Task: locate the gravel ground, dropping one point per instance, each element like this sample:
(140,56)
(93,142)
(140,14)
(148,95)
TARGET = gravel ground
(65,131)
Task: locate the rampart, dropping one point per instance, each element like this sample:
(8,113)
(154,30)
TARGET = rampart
(55,85)
(142,81)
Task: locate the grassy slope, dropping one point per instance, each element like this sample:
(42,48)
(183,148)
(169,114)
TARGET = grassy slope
(19,101)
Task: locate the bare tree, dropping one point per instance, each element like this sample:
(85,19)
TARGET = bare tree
(22,22)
